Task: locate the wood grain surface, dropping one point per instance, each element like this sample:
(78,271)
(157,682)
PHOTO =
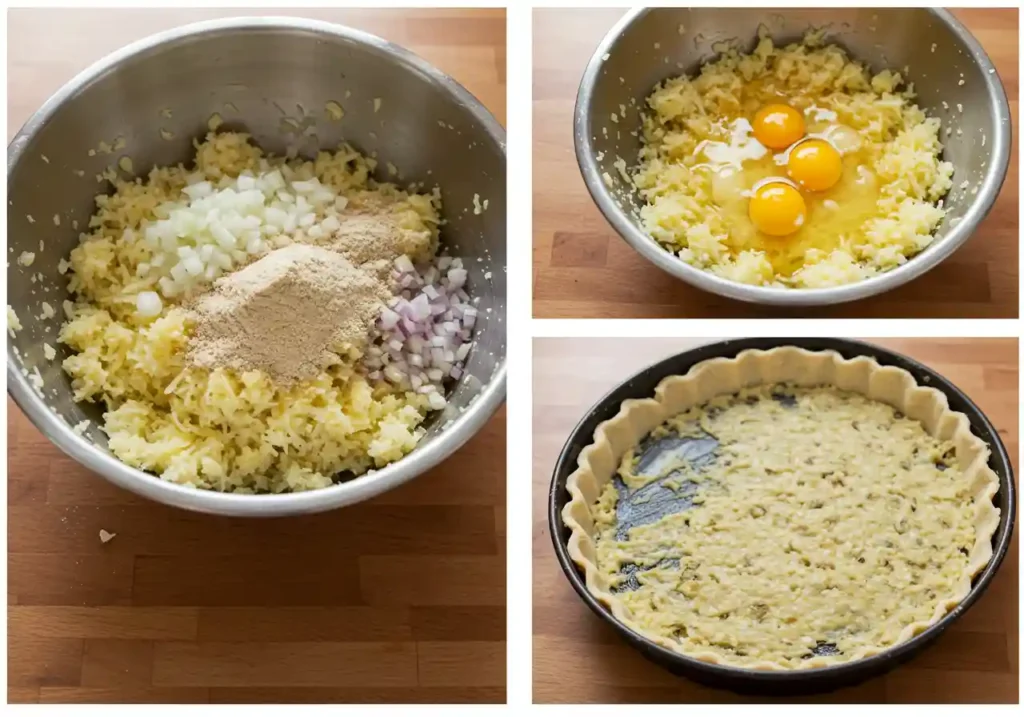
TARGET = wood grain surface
(579,658)
(401,599)
(582,268)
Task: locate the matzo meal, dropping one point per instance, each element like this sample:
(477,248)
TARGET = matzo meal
(783,510)
(790,167)
(256,324)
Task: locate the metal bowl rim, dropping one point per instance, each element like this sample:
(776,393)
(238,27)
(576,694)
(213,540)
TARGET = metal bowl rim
(463,427)
(748,676)
(942,247)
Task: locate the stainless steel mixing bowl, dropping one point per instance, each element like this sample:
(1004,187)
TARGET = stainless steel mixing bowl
(272,77)
(953,77)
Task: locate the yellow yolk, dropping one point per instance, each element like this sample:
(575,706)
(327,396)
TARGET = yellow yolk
(777,209)
(815,165)
(778,126)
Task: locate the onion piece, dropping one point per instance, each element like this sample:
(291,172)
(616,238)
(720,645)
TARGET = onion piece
(388,319)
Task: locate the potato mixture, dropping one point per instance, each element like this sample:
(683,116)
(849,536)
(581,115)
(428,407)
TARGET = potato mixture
(816,523)
(155,246)
(790,167)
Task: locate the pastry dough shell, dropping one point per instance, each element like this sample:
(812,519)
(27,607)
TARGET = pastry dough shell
(599,461)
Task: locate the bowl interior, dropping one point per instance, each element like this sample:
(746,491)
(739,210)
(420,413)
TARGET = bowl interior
(950,82)
(273,80)
(643,384)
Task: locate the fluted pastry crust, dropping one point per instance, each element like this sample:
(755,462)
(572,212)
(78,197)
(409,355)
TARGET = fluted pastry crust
(600,461)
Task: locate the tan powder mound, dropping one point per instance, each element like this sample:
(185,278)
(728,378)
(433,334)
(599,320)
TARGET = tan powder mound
(286,314)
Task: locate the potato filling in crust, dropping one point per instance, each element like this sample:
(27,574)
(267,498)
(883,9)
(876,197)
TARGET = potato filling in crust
(801,522)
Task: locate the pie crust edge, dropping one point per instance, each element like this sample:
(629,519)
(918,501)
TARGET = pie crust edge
(599,461)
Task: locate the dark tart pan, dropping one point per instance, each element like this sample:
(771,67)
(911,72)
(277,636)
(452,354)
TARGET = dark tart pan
(791,682)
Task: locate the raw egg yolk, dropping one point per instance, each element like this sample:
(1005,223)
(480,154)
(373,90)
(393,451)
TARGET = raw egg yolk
(815,165)
(778,126)
(777,209)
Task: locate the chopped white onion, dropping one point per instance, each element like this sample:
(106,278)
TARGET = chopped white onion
(148,304)
(219,225)
(437,401)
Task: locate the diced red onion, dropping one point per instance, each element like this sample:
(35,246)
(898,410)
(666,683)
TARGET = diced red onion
(457,278)
(420,307)
(425,333)
(388,319)
(404,264)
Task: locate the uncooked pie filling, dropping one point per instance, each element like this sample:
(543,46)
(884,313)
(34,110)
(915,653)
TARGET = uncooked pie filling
(784,523)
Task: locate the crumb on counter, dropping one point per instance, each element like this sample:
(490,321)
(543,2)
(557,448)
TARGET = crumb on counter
(106,537)
(26,258)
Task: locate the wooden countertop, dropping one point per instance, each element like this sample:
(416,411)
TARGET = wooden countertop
(583,269)
(579,658)
(401,599)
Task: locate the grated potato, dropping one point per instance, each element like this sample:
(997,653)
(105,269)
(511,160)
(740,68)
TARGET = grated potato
(217,429)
